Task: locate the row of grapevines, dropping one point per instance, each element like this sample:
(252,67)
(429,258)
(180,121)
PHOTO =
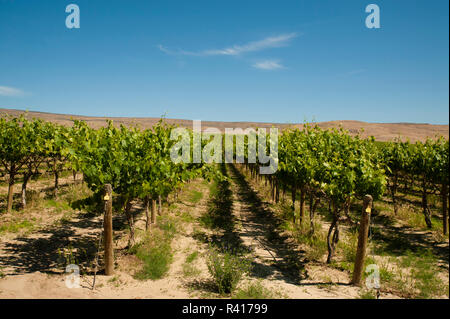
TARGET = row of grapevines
(326,165)
(135,162)
(422,164)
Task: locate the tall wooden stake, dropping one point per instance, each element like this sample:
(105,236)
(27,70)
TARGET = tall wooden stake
(362,240)
(108,232)
(444,208)
(10,190)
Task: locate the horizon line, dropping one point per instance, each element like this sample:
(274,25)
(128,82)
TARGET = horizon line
(183,119)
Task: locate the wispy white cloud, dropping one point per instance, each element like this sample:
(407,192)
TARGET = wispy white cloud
(10,91)
(266,43)
(268,65)
(164,49)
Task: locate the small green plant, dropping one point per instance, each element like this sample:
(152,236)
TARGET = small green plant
(168,225)
(367,294)
(195,197)
(189,270)
(68,256)
(191,257)
(115,281)
(227,269)
(253,291)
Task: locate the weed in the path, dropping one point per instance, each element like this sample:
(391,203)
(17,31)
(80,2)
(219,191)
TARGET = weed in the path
(189,269)
(155,251)
(255,290)
(226,269)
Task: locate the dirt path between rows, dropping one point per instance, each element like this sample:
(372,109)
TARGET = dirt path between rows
(277,260)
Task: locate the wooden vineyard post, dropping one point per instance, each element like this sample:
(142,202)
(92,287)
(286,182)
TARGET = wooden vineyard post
(10,189)
(444,208)
(108,233)
(362,240)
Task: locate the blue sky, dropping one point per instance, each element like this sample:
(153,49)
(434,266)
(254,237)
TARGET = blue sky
(267,61)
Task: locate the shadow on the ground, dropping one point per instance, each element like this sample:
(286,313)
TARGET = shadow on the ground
(398,241)
(43,250)
(219,217)
(207,286)
(285,256)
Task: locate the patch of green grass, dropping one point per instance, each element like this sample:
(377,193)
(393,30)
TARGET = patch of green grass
(58,205)
(155,251)
(417,276)
(367,294)
(189,270)
(186,217)
(51,203)
(168,225)
(76,192)
(437,225)
(253,291)
(14,227)
(195,197)
(412,216)
(156,255)
(424,273)
(317,242)
(349,246)
(386,275)
(191,257)
(382,206)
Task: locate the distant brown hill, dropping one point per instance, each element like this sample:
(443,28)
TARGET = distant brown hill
(381,131)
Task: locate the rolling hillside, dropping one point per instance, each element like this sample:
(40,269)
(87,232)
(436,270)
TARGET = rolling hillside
(381,131)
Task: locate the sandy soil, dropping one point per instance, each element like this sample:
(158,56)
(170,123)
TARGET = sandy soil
(40,275)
